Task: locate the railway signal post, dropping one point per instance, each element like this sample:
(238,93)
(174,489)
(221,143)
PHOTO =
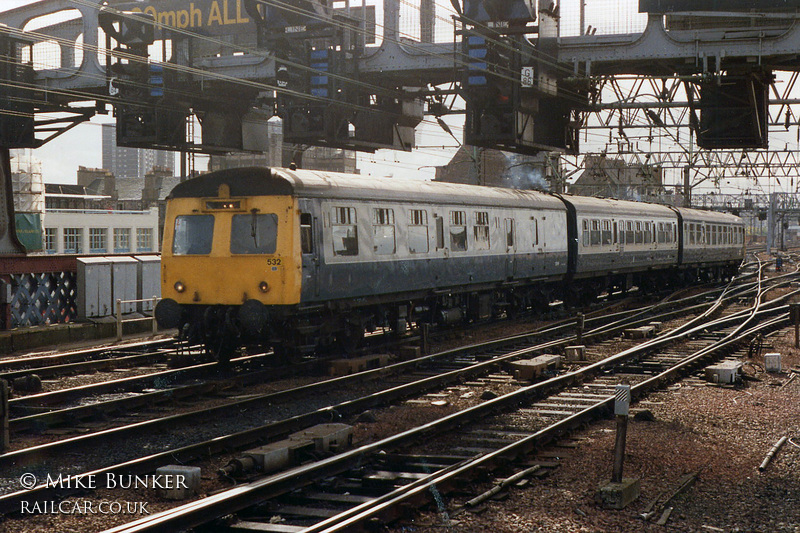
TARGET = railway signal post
(794,314)
(620,491)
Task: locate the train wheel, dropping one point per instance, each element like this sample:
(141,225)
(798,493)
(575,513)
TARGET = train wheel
(224,352)
(287,354)
(352,338)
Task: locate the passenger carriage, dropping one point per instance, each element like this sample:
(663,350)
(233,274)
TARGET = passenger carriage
(303,260)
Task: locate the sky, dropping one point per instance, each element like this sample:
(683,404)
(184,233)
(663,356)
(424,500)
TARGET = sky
(81,146)
(78,147)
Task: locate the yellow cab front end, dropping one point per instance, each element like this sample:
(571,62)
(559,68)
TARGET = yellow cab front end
(229,265)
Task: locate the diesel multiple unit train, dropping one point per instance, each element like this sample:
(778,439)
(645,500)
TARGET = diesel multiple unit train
(303,260)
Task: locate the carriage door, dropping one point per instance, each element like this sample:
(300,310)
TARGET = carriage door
(309,247)
(511,248)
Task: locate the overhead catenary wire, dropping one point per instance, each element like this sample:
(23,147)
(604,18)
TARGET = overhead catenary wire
(461,59)
(203,73)
(406,45)
(136,58)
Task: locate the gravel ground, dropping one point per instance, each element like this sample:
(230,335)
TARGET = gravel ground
(721,433)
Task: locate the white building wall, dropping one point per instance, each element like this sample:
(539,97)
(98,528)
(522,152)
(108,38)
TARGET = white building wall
(91,218)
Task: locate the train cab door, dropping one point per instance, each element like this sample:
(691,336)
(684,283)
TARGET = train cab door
(511,248)
(310,248)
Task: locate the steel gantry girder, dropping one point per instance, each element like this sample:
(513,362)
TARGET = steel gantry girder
(649,121)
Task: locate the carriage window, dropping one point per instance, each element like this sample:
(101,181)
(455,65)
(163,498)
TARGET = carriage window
(418,231)
(535,231)
(615,232)
(193,234)
(509,233)
(344,231)
(661,234)
(639,234)
(689,228)
(306,235)
(458,231)
(606,236)
(254,233)
(629,232)
(586,233)
(383,231)
(481,230)
(669,231)
(648,233)
(595,233)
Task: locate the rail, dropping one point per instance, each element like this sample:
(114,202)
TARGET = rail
(120,320)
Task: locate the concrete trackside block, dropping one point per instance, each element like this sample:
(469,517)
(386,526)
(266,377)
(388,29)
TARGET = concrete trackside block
(575,353)
(528,369)
(619,495)
(657,325)
(345,367)
(274,456)
(644,332)
(326,437)
(724,372)
(409,352)
(772,362)
(177,482)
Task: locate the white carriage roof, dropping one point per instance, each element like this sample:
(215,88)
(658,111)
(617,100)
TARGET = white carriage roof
(314,183)
(696,215)
(610,207)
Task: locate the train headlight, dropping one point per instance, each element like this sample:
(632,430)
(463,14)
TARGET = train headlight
(179,286)
(263,286)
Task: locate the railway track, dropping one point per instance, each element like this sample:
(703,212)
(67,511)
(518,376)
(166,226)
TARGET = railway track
(376,481)
(260,434)
(464,358)
(40,411)
(87,360)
